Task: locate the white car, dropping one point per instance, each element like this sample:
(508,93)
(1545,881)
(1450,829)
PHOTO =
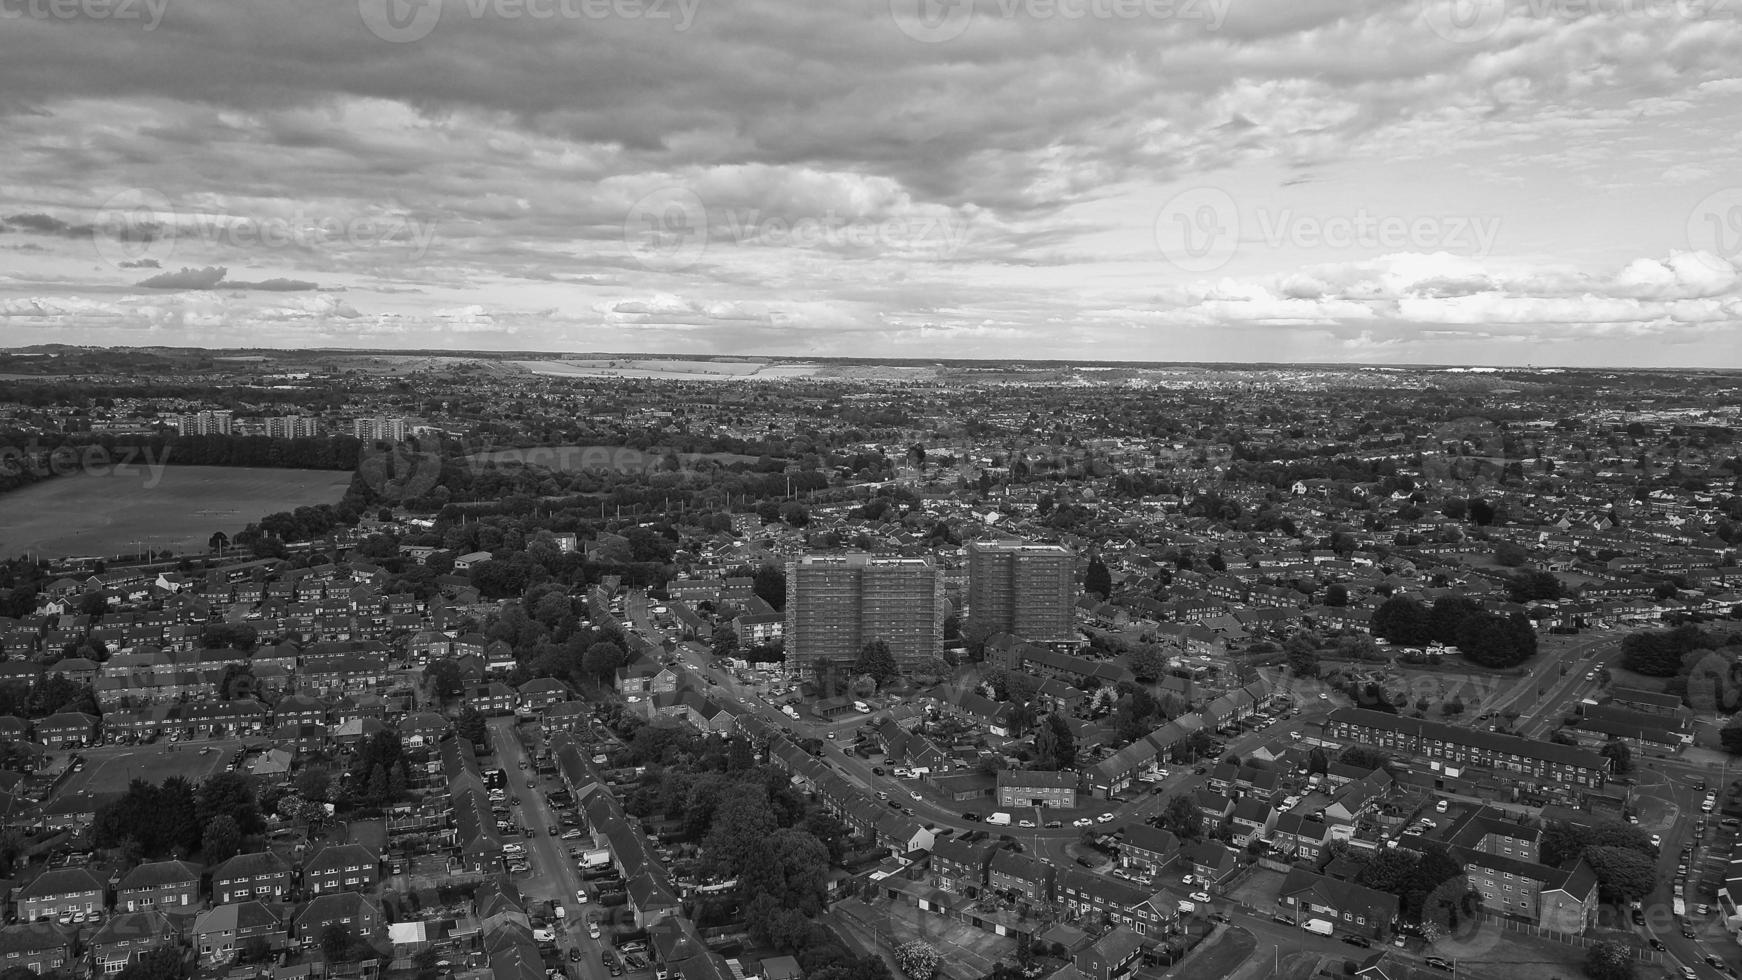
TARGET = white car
(580,896)
(1324,697)
(915,795)
(593,929)
(1026,823)
(1082,822)
(1104,818)
(1200,896)
(1656,841)
(1187,879)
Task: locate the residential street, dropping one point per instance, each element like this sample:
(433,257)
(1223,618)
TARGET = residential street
(553,874)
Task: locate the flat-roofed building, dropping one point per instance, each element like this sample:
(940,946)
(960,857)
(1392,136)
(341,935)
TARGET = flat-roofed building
(836,604)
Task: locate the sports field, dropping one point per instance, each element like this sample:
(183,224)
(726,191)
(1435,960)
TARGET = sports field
(127,506)
(109,768)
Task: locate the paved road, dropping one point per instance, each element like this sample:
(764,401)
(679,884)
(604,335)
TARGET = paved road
(1675,816)
(553,873)
(1521,694)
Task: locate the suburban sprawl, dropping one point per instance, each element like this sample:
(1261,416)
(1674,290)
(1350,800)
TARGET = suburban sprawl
(844,670)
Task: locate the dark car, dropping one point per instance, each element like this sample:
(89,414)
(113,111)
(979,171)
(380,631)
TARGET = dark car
(877,771)
(1687,933)
(1054,824)
(574,956)
(1361,941)
(1656,943)
(1438,963)
(1085,862)
(970,815)
(893,805)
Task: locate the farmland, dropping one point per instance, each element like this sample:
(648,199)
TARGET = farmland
(173,507)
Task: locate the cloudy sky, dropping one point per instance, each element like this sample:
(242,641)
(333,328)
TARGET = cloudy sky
(1455,181)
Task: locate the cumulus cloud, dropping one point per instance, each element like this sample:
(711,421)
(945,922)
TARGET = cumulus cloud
(216,277)
(1000,188)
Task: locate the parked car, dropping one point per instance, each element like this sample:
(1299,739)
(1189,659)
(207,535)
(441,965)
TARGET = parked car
(1200,896)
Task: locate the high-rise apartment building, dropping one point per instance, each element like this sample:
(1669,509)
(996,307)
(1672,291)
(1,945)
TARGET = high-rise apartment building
(293,426)
(211,423)
(392,429)
(1022,588)
(835,604)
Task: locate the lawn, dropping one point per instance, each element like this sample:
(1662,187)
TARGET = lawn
(108,769)
(1519,957)
(176,508)
(1221,957)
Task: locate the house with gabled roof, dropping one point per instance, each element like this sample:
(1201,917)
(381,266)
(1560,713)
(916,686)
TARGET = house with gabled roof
(1143,846)
(1112,957)
(126,936)
(1354,908)
(1211,862)
(224,930)
(258,874)
(166,885)
(60,892)
(40,947)
(1027,876)
(357,914)
(341,867)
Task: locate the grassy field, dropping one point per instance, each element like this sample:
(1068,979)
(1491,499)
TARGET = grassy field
(1518,957)
(1221,957)
(175,507)
(108,769)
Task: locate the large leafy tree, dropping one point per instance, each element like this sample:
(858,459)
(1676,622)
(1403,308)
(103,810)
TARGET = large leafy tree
(162,820)
(1402,619)
(876,660)
(1096,579)
(1179,816)
(230,794)
(1623,874)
